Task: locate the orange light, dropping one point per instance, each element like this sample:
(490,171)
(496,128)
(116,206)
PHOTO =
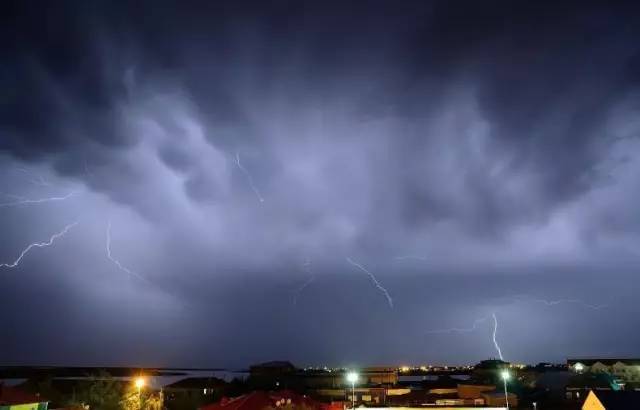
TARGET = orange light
(140,382)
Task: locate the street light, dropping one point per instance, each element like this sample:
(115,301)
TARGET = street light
(505,375)
(139,382)
(352,377)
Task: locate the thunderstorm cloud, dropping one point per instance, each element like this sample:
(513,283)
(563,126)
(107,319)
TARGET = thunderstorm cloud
(237,154)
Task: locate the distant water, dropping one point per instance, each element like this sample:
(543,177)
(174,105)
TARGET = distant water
(158,382)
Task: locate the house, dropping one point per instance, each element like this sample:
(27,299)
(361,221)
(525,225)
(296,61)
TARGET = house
(473,391)
(461,395)
(368,376)
(612,400)
(272,375)
(368,395)
(624,370)
(193,391)
(497,399)
(12,398)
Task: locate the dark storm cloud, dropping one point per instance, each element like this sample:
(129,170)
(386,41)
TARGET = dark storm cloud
(472,135)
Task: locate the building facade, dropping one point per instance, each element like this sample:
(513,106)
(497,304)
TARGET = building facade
(623,370)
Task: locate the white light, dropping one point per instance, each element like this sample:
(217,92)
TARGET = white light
(505,375)
(140,382)
(579,367)
(352,377)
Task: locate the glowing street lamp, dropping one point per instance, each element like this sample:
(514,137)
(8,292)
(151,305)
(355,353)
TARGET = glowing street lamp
(139,383)
(352,377)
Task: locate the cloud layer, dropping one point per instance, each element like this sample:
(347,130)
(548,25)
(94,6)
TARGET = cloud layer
(489,147)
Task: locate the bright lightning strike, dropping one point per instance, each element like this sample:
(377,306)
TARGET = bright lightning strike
(576,301)
(114,260)
(561,301)
(249,178)
(374,280)
(39,245)
(473,327)
(495,342)
(25,201)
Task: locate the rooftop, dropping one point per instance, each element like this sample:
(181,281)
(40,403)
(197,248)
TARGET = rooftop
(615,400)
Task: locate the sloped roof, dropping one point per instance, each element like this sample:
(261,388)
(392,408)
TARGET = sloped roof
(590,361)
(617,400)
(254,400)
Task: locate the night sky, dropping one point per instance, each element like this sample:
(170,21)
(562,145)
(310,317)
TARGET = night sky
(208,183)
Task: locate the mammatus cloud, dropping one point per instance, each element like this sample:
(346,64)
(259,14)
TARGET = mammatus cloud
(473,139)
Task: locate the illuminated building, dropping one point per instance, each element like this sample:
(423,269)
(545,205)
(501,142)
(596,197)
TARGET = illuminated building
(623,370)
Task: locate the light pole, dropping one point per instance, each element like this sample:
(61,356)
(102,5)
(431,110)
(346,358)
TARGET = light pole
(352,377)
(139,383)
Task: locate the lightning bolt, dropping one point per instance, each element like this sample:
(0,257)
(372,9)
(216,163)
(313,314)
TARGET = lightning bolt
(374,280)
(34,179)
(114,260)
(473,327)
(39,245)
(560,301)
(495,343)
(24,201)
(307,268)
(249,179)
(576,301)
